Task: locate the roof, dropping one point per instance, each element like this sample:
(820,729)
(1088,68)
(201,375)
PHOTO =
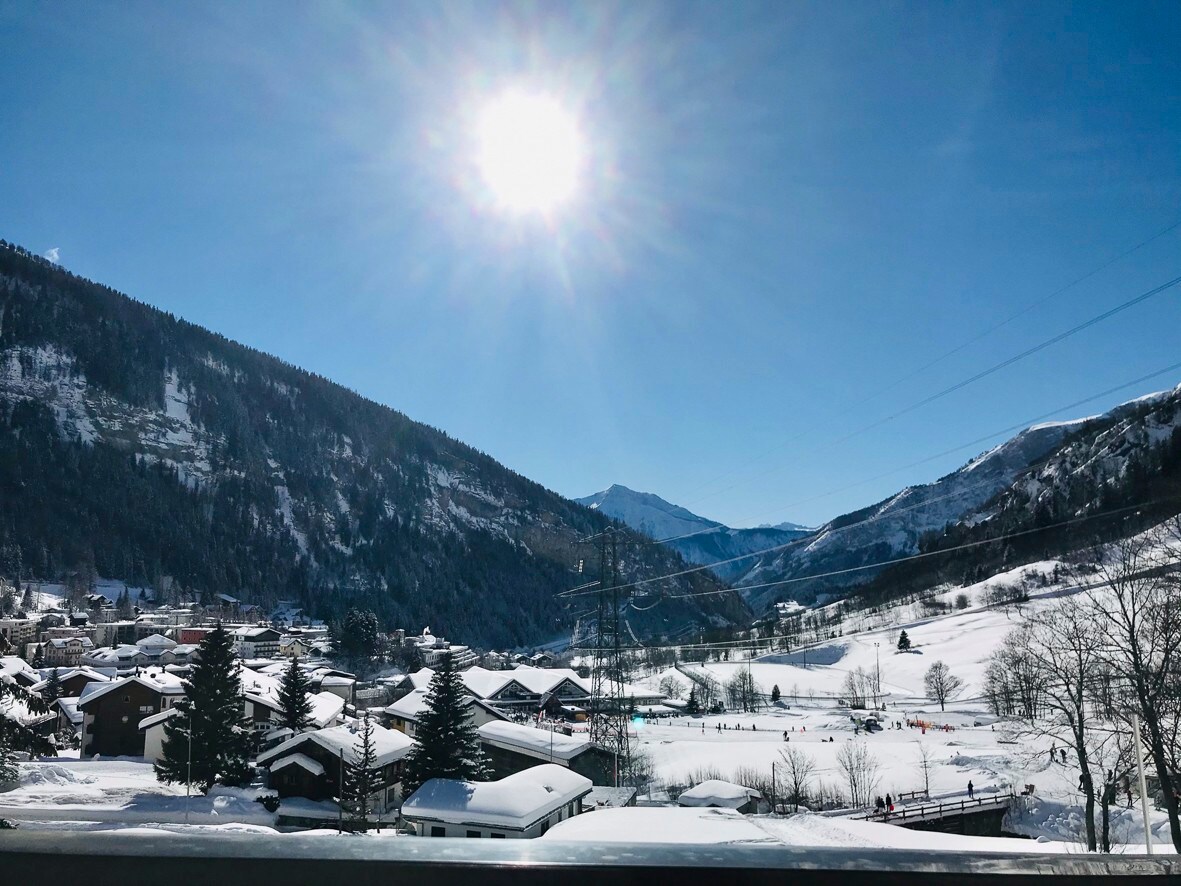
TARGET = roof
(62,642)
(722,794)
(155,641)
(69,707)
(159,681)
(149,722)
(602,797)
(301,760)
(516,801)
(411,705)
(389,744)
(541,743)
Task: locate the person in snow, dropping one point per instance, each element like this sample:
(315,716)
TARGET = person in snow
(889,803)
(1062,751)
(1053,752)
(971,791)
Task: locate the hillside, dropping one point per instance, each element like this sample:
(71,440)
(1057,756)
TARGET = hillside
(134,445)
(1046,474)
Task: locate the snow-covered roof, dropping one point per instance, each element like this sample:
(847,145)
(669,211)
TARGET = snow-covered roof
(69,707)
(337,681)
(409,706)
(540,743)
(149,722)
(389,744)
(301,760)
(516,801)
(155,641)
(718,793)
(158,681)
(63,642)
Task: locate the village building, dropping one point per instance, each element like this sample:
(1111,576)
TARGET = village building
(515,747)
(112,711)
(405,713)
(724,795)
(520,806)
(256,642)
(311,764)
(18,632)
(66,652)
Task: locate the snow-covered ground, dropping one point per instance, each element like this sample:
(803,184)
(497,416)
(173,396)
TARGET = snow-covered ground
(976,747)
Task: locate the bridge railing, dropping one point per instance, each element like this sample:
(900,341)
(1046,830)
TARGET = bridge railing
(938,810)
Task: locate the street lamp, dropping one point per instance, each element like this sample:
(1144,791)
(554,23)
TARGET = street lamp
(189,774)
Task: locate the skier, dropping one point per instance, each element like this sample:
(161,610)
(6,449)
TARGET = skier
(971,791)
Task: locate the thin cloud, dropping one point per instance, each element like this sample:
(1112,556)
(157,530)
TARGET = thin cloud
(54,254)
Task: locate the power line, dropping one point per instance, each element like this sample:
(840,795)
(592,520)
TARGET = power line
(979,336)
(1015,427)
(924,555)
(996,367)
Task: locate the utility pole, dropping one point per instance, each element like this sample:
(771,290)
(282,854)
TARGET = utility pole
(877,677)
(189,775)
(1143,784)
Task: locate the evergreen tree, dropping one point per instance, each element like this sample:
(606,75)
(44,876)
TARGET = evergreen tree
(447,744)
(903,642)
(775,693)
(53,688)
(362,777)
(212,711)
(27,598)
(294,703)
(39,657)
(8,770)
(692,705)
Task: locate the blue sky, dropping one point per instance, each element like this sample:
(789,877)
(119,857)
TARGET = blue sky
(785,208)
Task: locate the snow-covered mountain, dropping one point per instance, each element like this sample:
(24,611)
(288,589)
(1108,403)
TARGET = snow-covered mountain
(139,447)
(697,539)
(646,512)
(1046,473)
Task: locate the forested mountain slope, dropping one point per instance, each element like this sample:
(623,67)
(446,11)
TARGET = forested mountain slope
(137,446)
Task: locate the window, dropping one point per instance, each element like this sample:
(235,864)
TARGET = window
(496,836)
(438,832)
(473,833)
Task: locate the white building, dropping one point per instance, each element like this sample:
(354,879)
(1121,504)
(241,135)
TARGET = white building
(523,805)
(18,631)
(256,642)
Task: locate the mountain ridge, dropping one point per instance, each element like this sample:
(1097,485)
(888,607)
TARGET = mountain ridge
(161,449)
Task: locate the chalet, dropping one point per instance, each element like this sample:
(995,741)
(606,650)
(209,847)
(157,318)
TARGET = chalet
(310,764)
(515,747)
(404,714)
(519,806)
(69,718)
(113,711)
(294,647)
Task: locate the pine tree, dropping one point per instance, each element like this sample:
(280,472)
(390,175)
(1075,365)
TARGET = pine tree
(53,688)
(213,710)
(39,657)
(8,769)
(775,693)
(447,744)
(903,642)
(362,777)
(294,703)
(692,705)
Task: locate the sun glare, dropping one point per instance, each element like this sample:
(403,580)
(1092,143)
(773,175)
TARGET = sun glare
(530,152)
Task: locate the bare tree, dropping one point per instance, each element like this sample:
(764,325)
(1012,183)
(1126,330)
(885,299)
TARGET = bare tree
(1063,644)
(800,770)
(1012,680)
(926,764)
(1138,615)
(672,687)
(861,771)
(942,685)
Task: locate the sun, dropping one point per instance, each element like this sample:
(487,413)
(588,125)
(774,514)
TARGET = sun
(530,152)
